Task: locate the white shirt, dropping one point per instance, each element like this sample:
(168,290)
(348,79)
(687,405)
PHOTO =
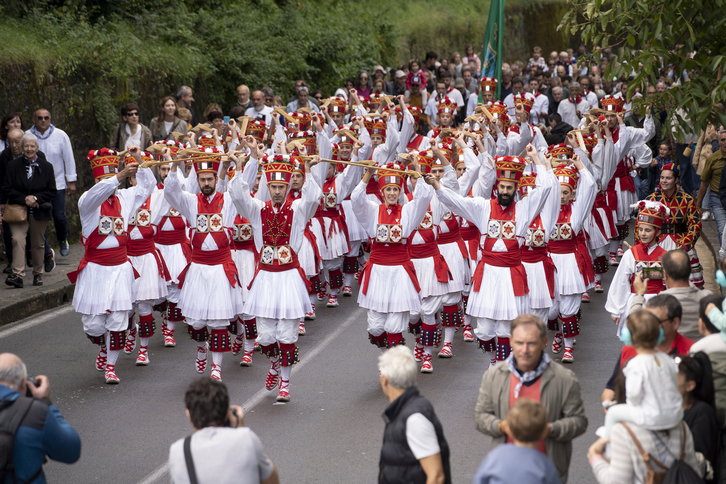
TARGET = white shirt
(421,436)
(651,386)
(541,105)
(567,110)
(133,139)
(265,114)
(56,145)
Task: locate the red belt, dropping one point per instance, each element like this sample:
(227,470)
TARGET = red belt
(471,236)
(511,259)
(423,251)
(244,245)
(137,248)
(385,258)
(174,237)
(217,257)
(337,224)
(532,256)
(115,256)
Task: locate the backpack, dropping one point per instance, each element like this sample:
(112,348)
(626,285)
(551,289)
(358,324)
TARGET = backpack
(12,414)
(678,473)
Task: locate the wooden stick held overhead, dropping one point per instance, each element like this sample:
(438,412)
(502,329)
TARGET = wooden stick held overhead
(412,173)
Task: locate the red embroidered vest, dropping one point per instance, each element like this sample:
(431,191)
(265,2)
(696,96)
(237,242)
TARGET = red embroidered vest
(415,142)
(642,260)
(276,230)
(209,222)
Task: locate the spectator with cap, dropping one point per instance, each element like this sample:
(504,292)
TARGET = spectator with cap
(56,145)
(399,85)
(380,73)
(529,372)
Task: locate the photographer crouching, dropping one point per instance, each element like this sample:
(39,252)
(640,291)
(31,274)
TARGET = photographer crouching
(31,427)
(221,450)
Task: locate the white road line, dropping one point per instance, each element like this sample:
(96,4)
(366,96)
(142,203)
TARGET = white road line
(34,321)
(158,473)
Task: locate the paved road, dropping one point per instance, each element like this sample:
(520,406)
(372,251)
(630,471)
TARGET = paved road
(331,431)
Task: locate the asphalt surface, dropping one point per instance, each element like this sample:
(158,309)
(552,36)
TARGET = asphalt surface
(330,432)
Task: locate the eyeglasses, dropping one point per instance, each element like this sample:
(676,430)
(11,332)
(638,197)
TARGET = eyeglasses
(363,78)
(135,113)
(42,118)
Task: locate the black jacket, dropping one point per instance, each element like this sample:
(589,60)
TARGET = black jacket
(398,464)
(17,185)
(559,133)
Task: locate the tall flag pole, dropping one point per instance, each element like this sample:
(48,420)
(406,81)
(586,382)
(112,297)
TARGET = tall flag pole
(491,55)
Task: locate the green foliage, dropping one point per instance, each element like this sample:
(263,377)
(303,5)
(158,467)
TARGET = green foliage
(134,46)
(685,34)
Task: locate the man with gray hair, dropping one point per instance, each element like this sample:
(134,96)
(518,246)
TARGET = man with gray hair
(574,107)
(56,145)
(414,448)
(39,429)
(184,99)
(529,372)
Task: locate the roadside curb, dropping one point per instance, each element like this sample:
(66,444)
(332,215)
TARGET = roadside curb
(37,302)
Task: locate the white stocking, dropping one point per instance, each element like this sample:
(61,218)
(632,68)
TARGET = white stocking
(449,334)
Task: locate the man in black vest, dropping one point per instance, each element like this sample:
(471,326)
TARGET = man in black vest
(414,448)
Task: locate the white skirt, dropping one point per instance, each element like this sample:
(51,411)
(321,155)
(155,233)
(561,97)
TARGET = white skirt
(306,258)
(390,290)
(207,294)
(426,276)
(539,291)
(150,286)
(598,237)
(355,229)
(458,266)
(104,288)
(278,295)
(331,244)
(495,298)
(174,258)
(245,262)
(625,200)
(569,279)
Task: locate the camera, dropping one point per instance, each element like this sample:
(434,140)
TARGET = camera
(227,422)
(32,381)
(652,273)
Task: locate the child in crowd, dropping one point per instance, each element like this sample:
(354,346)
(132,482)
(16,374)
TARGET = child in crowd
(651,380)
(664,157)
(414,70)
(526,423)
(537,60)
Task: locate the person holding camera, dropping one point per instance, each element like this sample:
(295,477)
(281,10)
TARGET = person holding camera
(643,257)
(221,449)
(38,428)
(30,188)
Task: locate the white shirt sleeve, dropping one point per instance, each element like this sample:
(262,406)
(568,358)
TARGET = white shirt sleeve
(421,436)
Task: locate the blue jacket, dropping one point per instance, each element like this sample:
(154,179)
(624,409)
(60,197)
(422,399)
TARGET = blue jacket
(42,432)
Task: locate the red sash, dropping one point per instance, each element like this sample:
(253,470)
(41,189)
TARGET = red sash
(511,259)
(114,256)
(471,236)
(374,189)
(441,268)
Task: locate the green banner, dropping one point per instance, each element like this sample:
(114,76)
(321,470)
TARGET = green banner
(491,54)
